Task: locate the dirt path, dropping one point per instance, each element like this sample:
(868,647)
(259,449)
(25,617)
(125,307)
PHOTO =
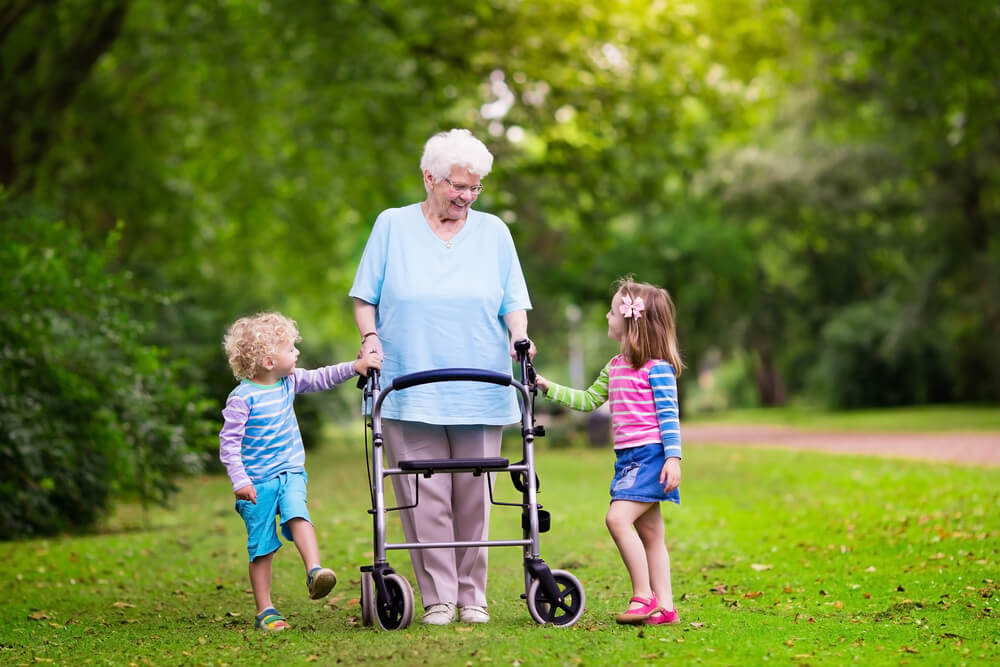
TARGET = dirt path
(958,447)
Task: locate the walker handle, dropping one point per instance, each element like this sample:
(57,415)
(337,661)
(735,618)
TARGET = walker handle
(450,374)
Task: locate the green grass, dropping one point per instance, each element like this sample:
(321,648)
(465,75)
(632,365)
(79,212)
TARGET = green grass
(785,557)
(923,418)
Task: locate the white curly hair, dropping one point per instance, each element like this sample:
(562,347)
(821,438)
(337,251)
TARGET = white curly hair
(455,148)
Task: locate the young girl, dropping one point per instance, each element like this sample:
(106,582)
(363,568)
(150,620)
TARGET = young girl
(261,448)
(640,382)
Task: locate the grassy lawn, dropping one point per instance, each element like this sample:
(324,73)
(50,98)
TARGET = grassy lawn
(923,418)
(787,557)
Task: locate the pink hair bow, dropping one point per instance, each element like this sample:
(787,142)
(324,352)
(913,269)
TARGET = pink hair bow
(630,308)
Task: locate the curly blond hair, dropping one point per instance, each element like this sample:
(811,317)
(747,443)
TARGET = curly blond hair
(250,339)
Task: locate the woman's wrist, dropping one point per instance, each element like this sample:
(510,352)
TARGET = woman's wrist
(365,335)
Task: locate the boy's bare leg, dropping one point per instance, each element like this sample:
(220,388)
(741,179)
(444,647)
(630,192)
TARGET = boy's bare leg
(260,581)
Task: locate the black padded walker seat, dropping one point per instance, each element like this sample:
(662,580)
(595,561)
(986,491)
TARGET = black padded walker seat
(475,466)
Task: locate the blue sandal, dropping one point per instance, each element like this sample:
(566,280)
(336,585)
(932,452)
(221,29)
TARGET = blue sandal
(320,581)
(270,620)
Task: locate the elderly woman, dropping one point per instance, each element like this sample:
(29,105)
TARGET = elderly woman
(440,286)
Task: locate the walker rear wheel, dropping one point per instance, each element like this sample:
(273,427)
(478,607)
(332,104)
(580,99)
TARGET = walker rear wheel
(367,599)
(566,609)
(396,611)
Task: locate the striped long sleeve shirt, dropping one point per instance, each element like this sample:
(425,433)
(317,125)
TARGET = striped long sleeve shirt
(643,403)
(260,435)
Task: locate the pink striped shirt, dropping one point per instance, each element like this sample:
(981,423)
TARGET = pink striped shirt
(634,418)
(643,403)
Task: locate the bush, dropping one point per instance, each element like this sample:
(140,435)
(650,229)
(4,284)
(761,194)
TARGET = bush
(868,360)
(89,412)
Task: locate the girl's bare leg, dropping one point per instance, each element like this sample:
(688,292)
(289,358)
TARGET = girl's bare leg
(622,514)
(649,527)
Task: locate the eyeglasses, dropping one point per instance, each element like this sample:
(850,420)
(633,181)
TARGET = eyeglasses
(474,189)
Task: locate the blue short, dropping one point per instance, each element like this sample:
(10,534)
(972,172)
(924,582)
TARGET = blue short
(637,475)
(283,496)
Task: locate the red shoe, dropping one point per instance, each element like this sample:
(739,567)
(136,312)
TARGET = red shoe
(635,616)
(663,617)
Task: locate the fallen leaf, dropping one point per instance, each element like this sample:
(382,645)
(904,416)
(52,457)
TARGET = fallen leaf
(760,567)
(39,616)
(697,625)
(753,594)
(122,605)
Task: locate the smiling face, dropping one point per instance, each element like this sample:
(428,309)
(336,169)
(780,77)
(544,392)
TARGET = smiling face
(448,201)
(616,321)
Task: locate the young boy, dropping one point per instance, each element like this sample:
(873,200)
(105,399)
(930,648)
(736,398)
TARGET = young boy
(261,448)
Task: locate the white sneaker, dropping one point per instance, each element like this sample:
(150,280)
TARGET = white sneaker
(441,613)
(473,614)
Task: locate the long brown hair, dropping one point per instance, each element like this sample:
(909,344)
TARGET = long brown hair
(654,334)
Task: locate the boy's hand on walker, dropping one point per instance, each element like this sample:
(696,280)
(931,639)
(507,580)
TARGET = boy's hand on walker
(368,361)
(670,475)
(248,492)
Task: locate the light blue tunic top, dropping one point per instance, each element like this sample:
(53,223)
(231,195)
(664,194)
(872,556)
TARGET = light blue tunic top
(442,307)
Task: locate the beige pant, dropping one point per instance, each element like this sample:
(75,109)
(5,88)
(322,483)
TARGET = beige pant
(453,507)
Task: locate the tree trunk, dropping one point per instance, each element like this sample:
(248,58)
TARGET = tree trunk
(770,386)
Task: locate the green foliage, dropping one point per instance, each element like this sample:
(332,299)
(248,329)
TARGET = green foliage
(776,166)
(860,363)
(89,412)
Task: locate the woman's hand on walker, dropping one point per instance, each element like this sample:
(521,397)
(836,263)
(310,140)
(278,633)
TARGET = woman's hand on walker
(370,344)
(670,474)
(531,348)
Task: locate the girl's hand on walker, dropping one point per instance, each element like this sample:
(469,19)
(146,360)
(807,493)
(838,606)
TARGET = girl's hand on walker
(670,475)
(247,492)
(542,383)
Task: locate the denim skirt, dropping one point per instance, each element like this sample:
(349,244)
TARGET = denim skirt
(637,475)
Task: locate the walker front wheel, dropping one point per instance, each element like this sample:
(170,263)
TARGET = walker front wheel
(395,612)
(568,606)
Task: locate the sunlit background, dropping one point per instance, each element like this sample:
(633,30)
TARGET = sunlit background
(816,183)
